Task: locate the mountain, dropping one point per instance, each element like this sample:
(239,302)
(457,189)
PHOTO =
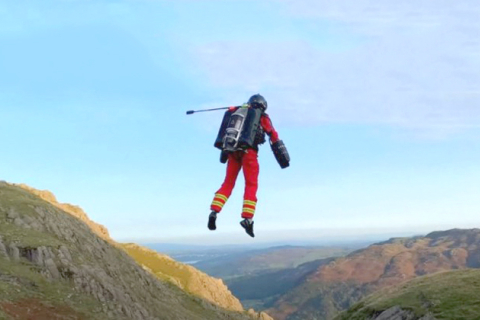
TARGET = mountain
(336,284)
(164,267)
(443,295)
(55,263)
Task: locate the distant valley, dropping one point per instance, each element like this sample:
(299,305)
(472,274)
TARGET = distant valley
(228,264)
(297,283)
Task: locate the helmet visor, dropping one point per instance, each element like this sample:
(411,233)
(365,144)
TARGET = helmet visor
(257,105)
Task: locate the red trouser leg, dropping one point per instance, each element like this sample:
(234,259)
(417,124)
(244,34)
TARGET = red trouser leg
(250,170)
(234,165)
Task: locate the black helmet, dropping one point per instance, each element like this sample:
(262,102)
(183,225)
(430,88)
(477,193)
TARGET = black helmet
(258,101)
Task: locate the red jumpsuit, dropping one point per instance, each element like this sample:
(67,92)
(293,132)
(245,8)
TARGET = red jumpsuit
(247,160)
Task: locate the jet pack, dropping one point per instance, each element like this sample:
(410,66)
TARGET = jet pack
(238,130)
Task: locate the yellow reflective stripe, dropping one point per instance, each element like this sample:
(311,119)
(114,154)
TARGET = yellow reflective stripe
(251,203)
(217,203)
(221,196)
(249,210)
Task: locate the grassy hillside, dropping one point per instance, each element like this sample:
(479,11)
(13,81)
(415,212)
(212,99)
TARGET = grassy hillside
(445,295)
(22,284)
(54,266)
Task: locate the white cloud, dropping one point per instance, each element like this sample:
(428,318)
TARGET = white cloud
(417,64)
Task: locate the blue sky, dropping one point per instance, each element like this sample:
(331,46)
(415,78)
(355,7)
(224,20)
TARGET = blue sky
(378,105)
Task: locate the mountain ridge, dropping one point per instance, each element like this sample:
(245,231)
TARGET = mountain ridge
(52,260)
(74,210)
(338,284)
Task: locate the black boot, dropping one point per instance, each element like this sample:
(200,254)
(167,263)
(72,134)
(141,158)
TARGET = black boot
(247,224)
(211,220)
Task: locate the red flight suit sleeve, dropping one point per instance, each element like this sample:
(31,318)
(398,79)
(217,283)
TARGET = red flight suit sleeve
(268,128)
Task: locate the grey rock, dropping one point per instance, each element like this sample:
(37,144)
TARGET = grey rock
(65,252)
(52,268)
(3,251)
(37,256)
(35,225)
(19,222)
(42,212)
(65,257)
(394,313)
(14,252)
(28,220)
(12,214)
(397,313)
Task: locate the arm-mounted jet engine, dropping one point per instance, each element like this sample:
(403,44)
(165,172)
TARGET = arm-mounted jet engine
(281,153)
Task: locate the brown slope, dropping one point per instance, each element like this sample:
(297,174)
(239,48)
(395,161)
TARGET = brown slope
(184,276)
(340,283)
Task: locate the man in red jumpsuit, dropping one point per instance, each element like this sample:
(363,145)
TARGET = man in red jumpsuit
(246,159)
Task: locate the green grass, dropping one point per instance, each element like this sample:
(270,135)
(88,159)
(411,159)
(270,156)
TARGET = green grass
(22,202)
(3,316)
(27,237)
(22,280)
(163,268)
(445,295)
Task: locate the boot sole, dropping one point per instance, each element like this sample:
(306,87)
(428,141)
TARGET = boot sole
(248,230)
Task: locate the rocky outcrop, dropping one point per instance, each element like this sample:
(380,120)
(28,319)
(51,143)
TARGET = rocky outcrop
(75,211)
(397,313)
(259,316)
